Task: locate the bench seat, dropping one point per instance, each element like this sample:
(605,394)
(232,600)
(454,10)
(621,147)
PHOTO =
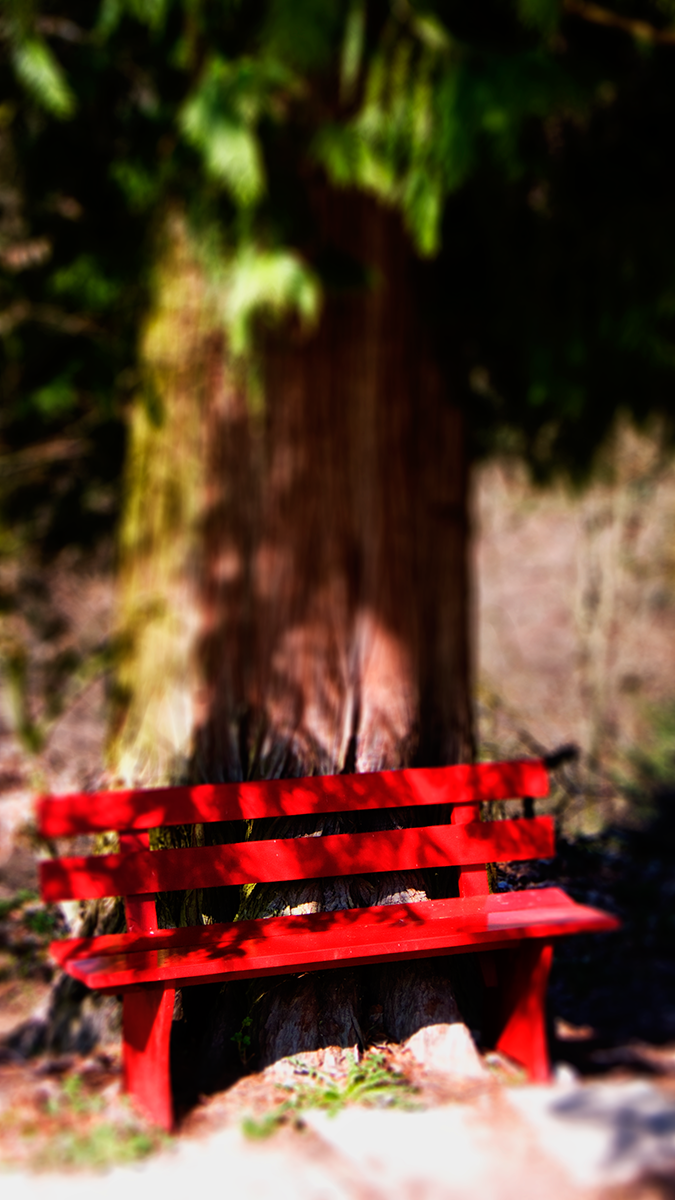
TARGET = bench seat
(316,941)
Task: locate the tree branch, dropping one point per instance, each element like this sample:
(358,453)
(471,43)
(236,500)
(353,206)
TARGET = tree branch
(45,314)
(641,30)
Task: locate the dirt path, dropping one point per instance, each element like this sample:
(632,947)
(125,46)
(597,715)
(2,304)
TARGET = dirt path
(570,1141)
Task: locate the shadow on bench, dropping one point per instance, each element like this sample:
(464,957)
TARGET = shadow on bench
(512,932)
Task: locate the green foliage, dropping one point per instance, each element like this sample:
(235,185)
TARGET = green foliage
(522,147)
(274,282)
(42,77)
(219,119)
(352,49)
(256,1129)
(649,773)
(543,15)
(242,1039)
(82,1140)
(370,1081)
(23,896)
(304,33)
(41,921)
(431,106)
(73,1096)
(150,12)
(55,399)
(139,185)
(30,733)
(84,282)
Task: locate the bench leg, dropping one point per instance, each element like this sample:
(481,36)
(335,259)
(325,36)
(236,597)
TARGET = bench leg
(523,980)
(147,1032)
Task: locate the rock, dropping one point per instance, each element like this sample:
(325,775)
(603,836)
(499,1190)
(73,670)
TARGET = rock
(447,1048)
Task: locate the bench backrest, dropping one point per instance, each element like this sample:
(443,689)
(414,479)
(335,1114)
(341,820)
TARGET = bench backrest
(138,872)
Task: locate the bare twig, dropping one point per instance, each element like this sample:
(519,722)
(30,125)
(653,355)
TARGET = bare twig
(45,314)
(641,30)
(58,450)
(61,27)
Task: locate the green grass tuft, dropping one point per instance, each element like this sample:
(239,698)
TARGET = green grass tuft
(372,1081)
(20,898)
(102,1146)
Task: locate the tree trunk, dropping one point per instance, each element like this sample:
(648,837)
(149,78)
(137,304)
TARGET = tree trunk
(294,593)
(356,621)
(360,579)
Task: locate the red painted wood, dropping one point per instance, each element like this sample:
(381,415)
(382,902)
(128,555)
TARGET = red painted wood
(148,808)
(141,913)
(147,1018)
(140,910)
(137,839)
(319,940)
(147,963)
(296,858)
(503,907)
(523,1034)
(472,881)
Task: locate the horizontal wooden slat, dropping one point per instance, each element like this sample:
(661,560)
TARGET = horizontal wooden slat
(296,858)
(320,940)
(149,808)
(220,936)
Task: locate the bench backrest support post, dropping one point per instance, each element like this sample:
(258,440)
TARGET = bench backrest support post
(473,881)
(140,910)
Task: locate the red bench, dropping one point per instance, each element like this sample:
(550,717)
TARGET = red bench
(147,964)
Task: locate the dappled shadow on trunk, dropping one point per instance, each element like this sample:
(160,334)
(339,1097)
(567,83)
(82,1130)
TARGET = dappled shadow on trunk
(335,590)
(294,576)
(318,1018)
(316,1012)
(411,999)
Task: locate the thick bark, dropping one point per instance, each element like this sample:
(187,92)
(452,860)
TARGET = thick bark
(359,592)
(318,1012)
(360,576)
(294,590)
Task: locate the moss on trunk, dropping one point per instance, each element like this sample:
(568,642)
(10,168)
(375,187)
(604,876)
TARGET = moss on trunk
(161,532)
(294,590)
